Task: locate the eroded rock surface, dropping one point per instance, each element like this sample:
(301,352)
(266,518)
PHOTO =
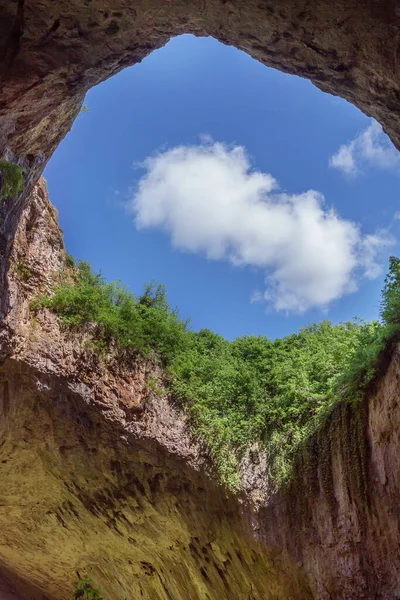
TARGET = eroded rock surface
(101,475)
(53,52)
(341,518)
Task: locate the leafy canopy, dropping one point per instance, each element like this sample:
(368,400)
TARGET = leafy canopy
(252,392)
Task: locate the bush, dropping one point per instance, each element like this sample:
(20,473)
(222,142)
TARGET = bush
(13,179)
(253,390)
(362,370)
(146,324)
(86,590)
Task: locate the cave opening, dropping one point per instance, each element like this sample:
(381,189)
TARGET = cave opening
(207,101)
(92,503)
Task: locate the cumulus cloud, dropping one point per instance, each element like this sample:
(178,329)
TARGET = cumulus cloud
(371,246)
(371,147)
(210,202)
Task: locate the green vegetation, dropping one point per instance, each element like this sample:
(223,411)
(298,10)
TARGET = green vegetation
(23,271)
(362,369)
(13,179)
(249,393)
(86,591)
(273,393)
(146,324)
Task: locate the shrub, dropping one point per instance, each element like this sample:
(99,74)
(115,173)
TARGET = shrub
(85,590)
(253,390)
(13,179)
(146,324)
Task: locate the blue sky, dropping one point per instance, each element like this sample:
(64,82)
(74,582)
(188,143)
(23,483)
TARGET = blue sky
(195,168)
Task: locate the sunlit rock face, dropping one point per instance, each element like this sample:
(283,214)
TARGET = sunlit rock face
(80,492)
(102,476)
(340,520)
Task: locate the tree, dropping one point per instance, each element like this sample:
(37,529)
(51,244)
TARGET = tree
(390,305)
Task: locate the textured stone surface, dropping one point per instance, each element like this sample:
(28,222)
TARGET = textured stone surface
(80,492)
(53,52)
(100,474)
(346,536)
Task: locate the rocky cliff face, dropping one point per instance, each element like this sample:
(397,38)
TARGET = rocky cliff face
(340,519)
(101,475)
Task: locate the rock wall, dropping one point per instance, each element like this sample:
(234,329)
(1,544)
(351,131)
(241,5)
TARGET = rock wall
(340,520)
(101,475)
(96,473)
(81,493)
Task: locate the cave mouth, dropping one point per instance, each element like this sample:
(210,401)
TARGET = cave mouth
(288,130)
(51,58)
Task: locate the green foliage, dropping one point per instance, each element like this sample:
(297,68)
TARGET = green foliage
(146,324)
(362,370)
(23,271)
(13,179)
(153,387)
(85,590)
(250,392)
(69,261)
(390,306)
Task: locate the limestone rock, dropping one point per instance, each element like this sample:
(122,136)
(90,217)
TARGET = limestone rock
(102,476)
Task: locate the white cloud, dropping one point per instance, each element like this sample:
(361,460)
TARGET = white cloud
(344,159)
(371,246)
(210,201)
(371,147)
